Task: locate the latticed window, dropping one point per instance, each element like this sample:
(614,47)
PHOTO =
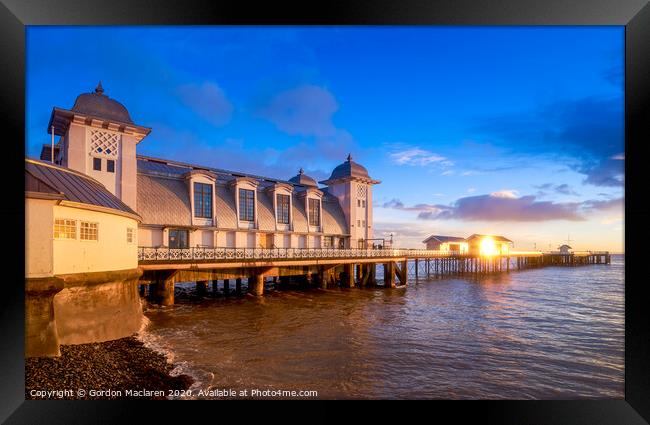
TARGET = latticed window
(104,143)
(283,208)
(202,200)
(88,231)
(246,205)
(130,235)
(314,212)
(361,191)
(65,229)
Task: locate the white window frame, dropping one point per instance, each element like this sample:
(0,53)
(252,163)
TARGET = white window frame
(130,230)
(65,220)
(81,223)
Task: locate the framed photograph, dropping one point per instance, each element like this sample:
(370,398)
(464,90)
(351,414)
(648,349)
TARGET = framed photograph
(386,202)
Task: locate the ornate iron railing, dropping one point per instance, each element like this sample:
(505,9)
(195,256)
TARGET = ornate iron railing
(203,254)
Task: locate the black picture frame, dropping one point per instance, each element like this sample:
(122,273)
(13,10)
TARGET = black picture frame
(633,14)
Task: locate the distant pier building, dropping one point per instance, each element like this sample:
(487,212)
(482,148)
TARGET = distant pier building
(452,244)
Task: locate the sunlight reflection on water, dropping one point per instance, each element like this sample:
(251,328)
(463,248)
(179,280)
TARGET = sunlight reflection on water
(541,333)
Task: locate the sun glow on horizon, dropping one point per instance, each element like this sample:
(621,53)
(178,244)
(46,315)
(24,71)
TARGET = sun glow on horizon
(488,247)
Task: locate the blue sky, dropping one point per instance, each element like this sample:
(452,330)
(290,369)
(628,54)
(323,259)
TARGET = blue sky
(509,130)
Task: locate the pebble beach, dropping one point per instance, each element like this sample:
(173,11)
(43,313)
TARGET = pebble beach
(121,369)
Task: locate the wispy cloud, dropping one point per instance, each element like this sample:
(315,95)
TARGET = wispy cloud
(608,205)
(562,189)
(505,193)
(505,206)
(208,100)
(498,206)
(418,157)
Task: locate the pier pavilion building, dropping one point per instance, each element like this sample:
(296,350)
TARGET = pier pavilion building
(190,205)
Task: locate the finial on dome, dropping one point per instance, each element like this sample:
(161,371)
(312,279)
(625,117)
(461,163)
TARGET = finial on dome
(301,171)
(349,157)
(99,89)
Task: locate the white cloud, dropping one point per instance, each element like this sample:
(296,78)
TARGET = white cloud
(506,193)
(418,157)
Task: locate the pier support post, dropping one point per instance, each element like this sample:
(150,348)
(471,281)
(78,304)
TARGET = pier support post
(323,277)
(201,287)
(417,264)
(372,274)
(163,292)
(256,285)
(347,279)
(226,287)
(404,272)
(238,286)
(389,275)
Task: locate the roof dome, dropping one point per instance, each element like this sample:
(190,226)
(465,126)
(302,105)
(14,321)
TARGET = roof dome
(303,179)
(99,105)
(349,169)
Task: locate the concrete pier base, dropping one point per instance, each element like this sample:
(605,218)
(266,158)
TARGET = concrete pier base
(41,336)
(98,306)
(163,292)
(256,285)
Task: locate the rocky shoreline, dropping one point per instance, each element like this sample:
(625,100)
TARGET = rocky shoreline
(119,369)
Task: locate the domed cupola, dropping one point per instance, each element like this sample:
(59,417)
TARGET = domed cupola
(99,105)
(349,170)
(303,179)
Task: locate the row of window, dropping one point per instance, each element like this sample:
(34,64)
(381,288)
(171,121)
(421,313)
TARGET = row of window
(180,238)
(110,165)
(361,203)
(88,231)
(203,205)
(361,223)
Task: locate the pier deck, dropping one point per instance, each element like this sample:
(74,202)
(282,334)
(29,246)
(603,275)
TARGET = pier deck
(163,267)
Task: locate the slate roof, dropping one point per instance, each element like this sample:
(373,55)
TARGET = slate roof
(443,239)
(494,237)
(163,199)
(74,186)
